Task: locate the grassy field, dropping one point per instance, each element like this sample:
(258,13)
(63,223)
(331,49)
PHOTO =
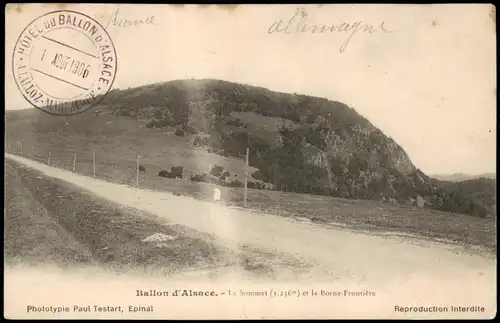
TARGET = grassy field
(48,221)
(121,153)
(358,214)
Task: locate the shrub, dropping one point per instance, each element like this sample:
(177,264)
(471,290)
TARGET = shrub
(142,168)
(176,171)
(216,170)
(190,129)
(179,132)
(201,139)
(235,183)
(199,178)
(256,185)
(225,175)
(164,173)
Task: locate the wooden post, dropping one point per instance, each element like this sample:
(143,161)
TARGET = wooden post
(246,179)
(48,159)
(209,164)
(137,171)
(74,162)
(94,162)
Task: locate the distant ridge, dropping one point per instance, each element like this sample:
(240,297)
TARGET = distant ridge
(460,177)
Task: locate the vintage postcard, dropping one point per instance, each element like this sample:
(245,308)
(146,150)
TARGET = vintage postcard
(250,161)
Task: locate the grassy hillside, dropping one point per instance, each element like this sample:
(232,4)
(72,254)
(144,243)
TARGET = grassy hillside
(297,143)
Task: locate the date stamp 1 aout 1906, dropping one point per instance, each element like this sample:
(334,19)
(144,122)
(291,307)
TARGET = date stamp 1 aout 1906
(64,62)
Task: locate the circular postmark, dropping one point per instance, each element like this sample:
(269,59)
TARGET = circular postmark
(64,62)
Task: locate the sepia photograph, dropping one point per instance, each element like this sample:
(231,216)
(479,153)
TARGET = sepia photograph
(294,161)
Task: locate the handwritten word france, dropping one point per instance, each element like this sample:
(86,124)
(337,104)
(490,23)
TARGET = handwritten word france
(117,21)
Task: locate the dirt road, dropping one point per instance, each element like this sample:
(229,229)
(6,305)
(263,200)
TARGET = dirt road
(416,266)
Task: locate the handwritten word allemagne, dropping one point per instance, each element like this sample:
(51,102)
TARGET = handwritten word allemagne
(298,24)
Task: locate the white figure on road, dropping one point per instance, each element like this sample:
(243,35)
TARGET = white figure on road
(217,194)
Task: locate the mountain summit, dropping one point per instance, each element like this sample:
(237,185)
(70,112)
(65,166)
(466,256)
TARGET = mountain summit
(297,142)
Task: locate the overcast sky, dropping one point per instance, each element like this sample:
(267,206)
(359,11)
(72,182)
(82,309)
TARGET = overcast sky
(429,83)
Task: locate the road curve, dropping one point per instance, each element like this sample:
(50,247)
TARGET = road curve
(424,268)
